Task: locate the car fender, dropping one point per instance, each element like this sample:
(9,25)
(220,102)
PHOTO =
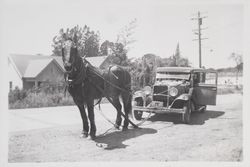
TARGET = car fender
(183,98)
(186,96)
(140,95)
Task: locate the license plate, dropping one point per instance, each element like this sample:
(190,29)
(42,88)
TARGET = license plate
(157,104)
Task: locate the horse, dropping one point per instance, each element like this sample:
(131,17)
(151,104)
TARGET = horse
(87,83)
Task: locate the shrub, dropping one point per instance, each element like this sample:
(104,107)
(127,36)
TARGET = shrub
(17,95)
(46,96)
(229,89)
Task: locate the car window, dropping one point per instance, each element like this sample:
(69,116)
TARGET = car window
(199,78)
(210,78)
(205,78)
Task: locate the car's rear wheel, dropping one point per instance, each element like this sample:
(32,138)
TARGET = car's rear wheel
(138,114)
(186,114)
(203,108)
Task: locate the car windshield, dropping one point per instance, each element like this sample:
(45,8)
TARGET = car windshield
(172,75)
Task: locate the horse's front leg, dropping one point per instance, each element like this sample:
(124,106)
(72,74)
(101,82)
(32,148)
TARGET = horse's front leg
(91,114)
(84,121)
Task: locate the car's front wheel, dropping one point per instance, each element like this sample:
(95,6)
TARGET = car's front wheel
(186,114)
(138,114)
(202,108)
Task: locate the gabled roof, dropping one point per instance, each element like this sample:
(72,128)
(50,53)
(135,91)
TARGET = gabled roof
(36,66)
(32,65)
(95,61)
(21,62)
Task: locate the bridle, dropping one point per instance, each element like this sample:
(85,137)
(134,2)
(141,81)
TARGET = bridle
(80,72)
(72,63)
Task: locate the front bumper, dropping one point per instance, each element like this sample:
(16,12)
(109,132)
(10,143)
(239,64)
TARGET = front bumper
(159,110)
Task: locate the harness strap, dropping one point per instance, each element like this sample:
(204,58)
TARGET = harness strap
(110,83)
(111,101)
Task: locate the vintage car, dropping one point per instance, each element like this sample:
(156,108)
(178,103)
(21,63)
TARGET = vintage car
(180,90)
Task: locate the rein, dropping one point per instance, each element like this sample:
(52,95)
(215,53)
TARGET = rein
(78,79)
(110,83)
(81,77)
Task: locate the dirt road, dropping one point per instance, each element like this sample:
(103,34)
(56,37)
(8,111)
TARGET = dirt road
(52,135)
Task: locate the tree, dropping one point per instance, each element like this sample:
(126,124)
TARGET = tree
(177,60)
(106,48)
(136,71)
(149,69)
(237,58)
(177,56)
(87,41)
(126,36)
(117,51)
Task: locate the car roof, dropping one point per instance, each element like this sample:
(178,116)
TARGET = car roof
(182,69)
(175,69)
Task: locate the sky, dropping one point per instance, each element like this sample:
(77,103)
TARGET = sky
(28,26)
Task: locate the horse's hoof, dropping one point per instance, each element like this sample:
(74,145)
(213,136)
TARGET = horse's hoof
(92,137)
(124,128)
(117,126)
(102,145)
(84,135)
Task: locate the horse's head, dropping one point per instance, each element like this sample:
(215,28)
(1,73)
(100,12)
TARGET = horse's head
(69,53)
(73,63)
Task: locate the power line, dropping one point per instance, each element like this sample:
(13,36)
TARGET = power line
(199,18)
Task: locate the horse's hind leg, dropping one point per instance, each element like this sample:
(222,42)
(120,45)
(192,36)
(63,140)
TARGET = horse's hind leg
(118,107)
(91,115)
(126,99)
(84,121)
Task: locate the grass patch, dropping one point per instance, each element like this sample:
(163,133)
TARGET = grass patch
(46,96)
(229,89)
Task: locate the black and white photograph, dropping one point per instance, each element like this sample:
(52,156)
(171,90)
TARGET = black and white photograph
(153,82)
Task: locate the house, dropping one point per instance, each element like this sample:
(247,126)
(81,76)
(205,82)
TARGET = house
(27,71)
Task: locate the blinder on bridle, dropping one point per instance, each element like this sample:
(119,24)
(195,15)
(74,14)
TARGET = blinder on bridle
(74,74)
(69,51)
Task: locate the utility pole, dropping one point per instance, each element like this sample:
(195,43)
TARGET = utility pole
(199,19)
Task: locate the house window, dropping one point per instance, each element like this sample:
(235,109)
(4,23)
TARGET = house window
(39,84)
(11,85)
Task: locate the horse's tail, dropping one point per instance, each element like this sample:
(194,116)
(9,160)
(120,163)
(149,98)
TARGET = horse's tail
(129,104)
(129,93)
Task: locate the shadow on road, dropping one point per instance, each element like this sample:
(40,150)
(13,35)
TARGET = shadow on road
(114,140)
(196,117)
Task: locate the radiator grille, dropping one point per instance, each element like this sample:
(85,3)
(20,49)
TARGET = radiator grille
(160,90)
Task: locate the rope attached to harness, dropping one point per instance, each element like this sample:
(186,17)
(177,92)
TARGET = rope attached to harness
(109,99)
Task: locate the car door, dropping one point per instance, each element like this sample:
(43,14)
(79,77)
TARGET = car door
(205,90)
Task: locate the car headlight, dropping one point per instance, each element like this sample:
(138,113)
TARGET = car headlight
(147,90)
(173,91)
